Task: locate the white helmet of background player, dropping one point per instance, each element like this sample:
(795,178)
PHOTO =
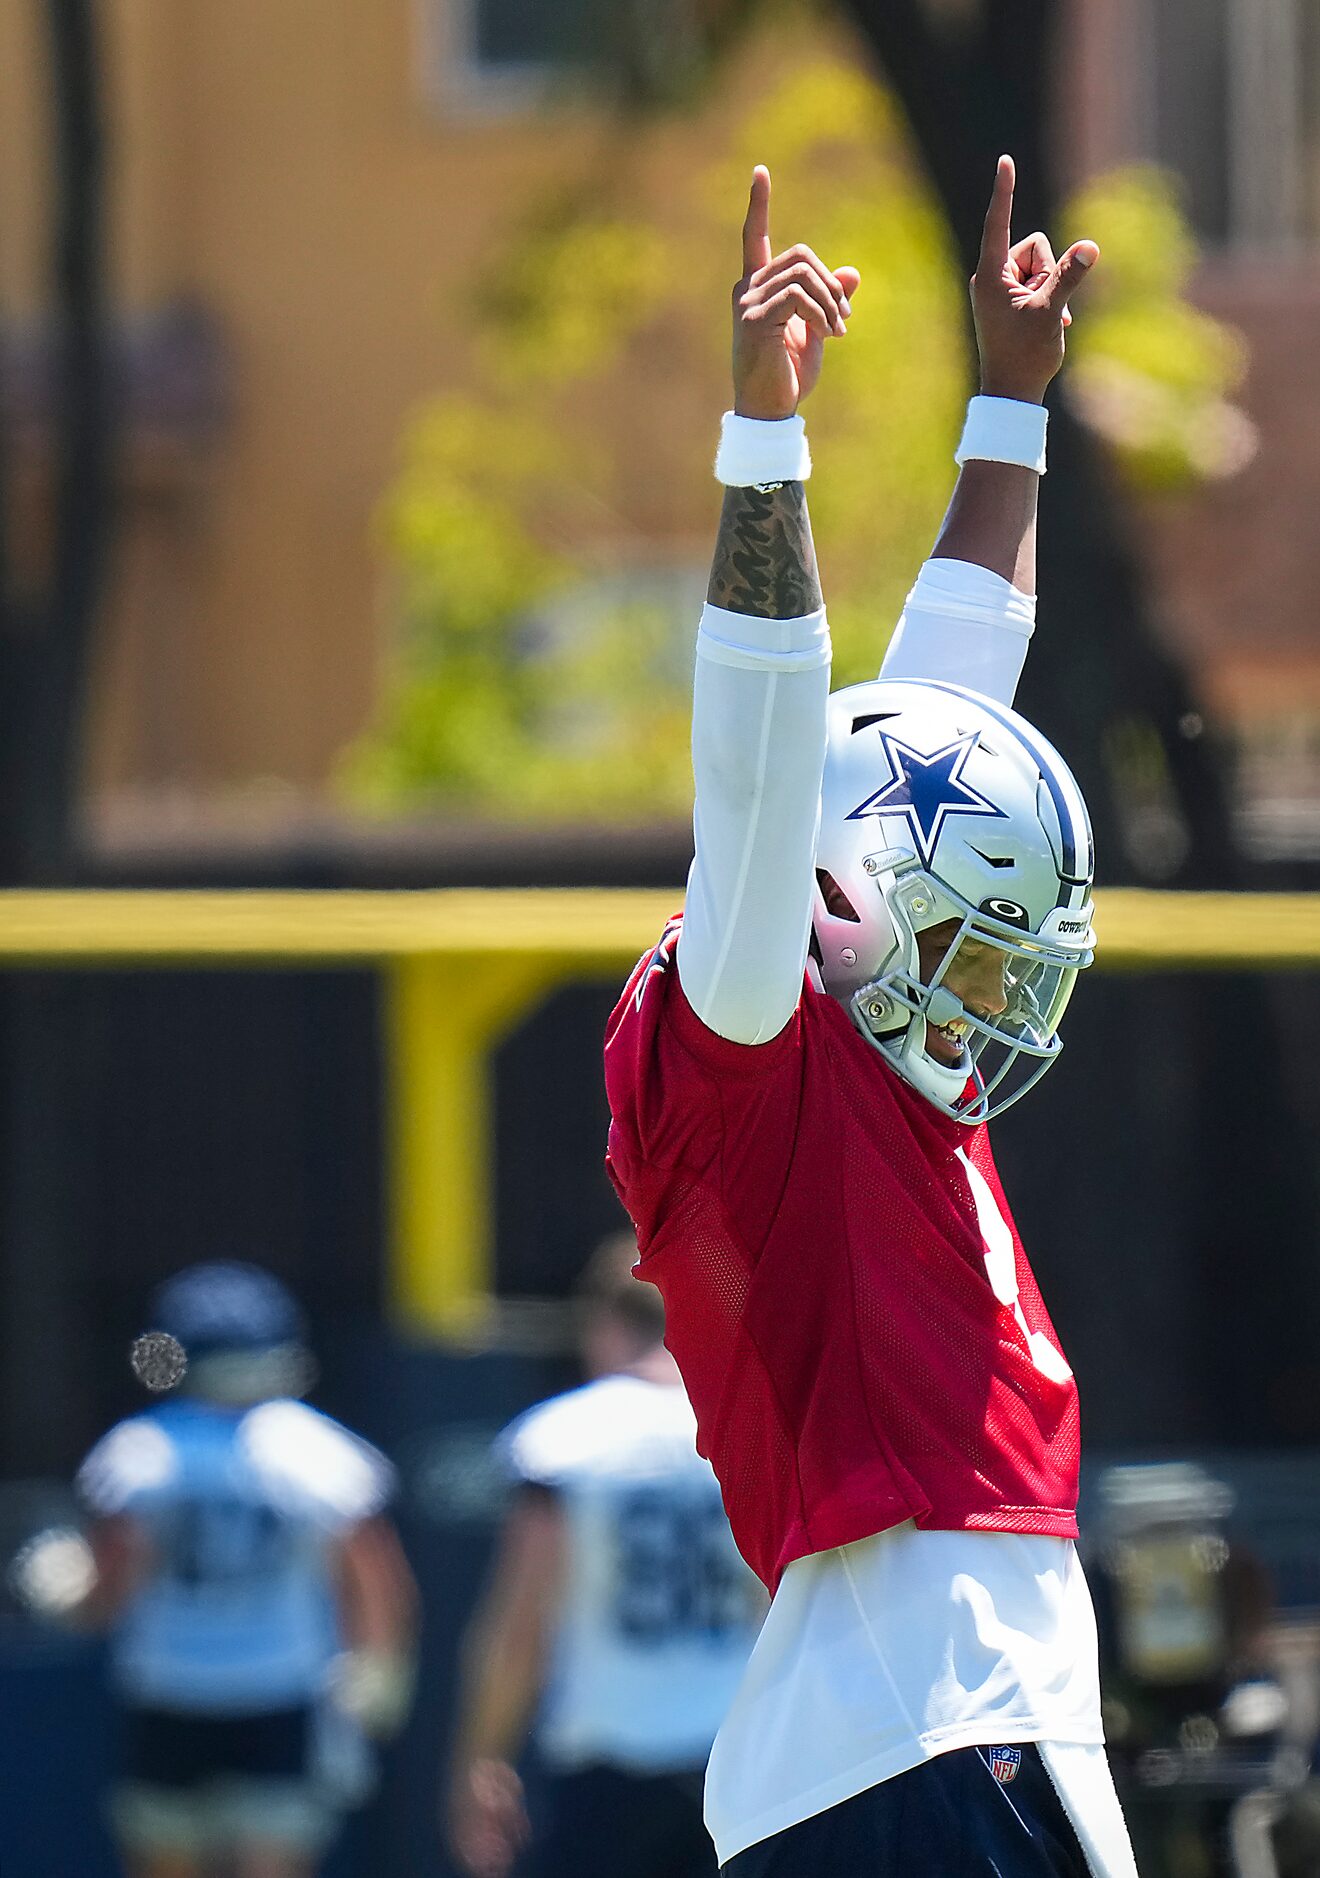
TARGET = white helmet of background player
(940,805)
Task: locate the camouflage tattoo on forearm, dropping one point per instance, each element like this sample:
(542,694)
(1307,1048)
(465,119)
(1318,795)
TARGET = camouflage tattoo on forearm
(765,563)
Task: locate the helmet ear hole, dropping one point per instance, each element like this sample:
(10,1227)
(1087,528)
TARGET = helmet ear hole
(836,900)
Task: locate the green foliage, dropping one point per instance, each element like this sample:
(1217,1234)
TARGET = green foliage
(531,680)
(1148,370)
(566,297)
(470,568)
(540,672)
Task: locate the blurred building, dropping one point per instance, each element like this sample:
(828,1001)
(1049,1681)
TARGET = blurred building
(301,200)
(1226,94)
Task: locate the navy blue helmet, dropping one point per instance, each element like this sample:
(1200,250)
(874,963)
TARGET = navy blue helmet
(227,1307)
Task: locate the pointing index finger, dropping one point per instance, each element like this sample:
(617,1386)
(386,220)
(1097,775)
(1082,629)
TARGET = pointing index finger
(756,228)
(998,218)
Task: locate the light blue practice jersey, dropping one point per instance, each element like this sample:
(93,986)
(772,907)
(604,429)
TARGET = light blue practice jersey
(242,1509)
(659,1612)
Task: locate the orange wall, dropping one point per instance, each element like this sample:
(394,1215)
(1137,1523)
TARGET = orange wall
(280,164)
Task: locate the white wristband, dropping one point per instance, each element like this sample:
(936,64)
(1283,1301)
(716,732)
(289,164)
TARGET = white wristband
(1002,430)
(756,450)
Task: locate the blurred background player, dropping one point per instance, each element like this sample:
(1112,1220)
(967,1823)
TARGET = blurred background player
(617,1621)
(260,1610)
(1195,1711)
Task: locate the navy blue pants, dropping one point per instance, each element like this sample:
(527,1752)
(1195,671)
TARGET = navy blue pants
(165,1749)
(952,1817)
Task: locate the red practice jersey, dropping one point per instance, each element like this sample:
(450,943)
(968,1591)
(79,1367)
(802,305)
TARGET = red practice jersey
(814,1232)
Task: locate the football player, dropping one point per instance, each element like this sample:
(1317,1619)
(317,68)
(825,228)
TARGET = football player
(260,1610)
(617,1622)
(889,903)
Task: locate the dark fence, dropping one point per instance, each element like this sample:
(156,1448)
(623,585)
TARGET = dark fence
(1164,1178)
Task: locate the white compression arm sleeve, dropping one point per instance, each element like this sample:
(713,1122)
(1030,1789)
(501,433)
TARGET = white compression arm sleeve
(758,748)
(966,625)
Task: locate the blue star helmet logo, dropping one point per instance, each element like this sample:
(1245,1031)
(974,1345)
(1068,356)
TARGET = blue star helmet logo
(925,790)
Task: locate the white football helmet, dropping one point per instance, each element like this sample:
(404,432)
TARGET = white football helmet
(941,805)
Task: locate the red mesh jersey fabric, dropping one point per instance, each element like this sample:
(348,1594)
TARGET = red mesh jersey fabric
(805,1215)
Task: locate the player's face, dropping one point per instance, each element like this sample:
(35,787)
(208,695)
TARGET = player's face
(976,978)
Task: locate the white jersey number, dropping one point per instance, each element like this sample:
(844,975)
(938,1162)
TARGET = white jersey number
(678,1574)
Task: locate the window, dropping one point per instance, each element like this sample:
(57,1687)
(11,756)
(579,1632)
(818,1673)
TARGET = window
(494,56)
(1232,105)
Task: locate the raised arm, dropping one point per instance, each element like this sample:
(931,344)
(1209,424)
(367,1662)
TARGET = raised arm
(970,616)
(762,675)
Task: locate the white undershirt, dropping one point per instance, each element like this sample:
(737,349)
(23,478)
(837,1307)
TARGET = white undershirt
(908,1644)
(897,1648)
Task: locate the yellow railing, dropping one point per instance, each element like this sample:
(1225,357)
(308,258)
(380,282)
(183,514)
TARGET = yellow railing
(1138,930)
(465,966)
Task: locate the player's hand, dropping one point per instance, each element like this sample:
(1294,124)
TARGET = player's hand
(784,309)
(487,1824)
(1020,297)
(374,1688)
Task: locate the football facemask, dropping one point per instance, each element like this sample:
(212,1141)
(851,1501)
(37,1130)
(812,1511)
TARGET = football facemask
(943,809)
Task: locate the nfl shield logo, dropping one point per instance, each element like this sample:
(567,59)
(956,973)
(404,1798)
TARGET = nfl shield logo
(1004,1764)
